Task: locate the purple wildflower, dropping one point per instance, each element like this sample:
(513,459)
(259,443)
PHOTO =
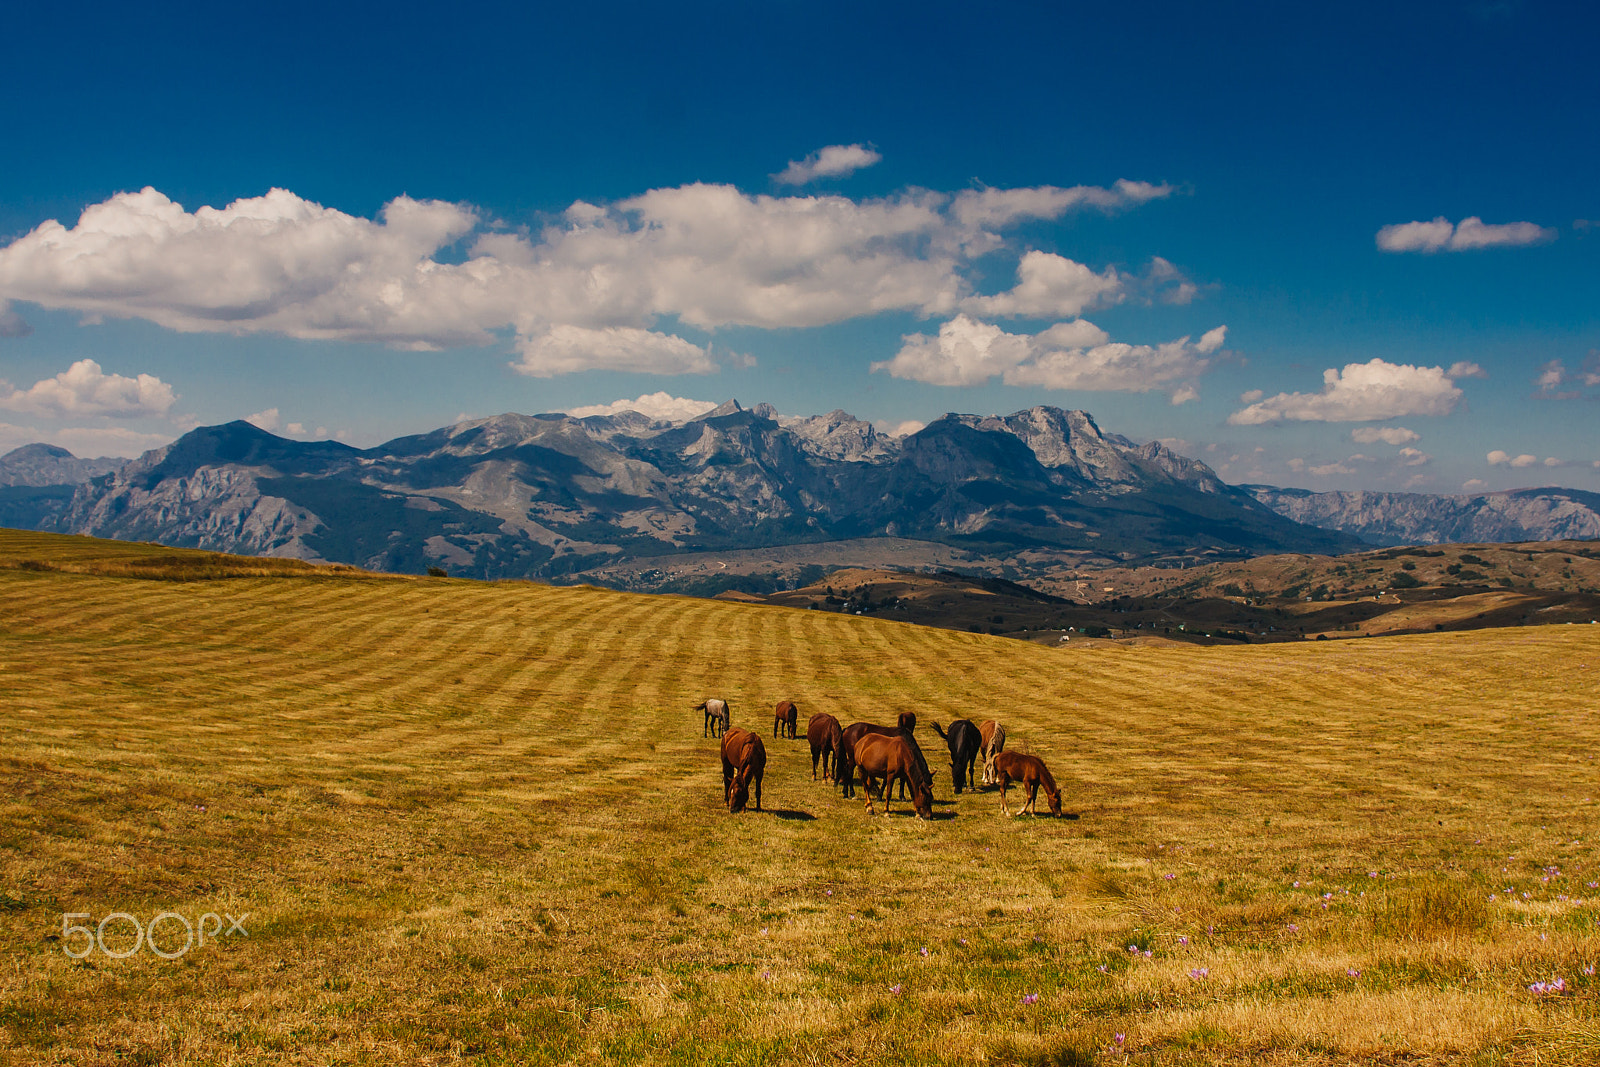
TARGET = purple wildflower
(1200,973)
(895,989)
(1183,940)
(1030,998)
(1118,1039)
(924,951)
(1353,973)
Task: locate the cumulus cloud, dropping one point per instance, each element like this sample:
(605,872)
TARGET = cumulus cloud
(998,208)
(1068,355)
(1362,392)
(1050,286)
(1471,233)
(11,324)
(663,407)
(587,291)
(1462,368)
(901,429)
(1413,457)
(1389,435)
(1553,375)
(84,389)
(566,349)
(834,161)
(1498,458)
(268,420)
(1474,484)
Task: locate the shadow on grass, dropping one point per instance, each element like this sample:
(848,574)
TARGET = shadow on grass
(792,815)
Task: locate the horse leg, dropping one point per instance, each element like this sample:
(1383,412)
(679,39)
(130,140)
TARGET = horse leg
(1005,784)
(759,775)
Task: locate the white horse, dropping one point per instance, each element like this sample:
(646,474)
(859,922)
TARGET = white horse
(718,718)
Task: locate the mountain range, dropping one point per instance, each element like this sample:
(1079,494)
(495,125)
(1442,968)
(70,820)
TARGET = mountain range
(555,496)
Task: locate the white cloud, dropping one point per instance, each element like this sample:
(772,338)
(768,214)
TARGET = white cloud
(267,420)
(901,429)
(1362,392)
(1184,394)
(11,324)
(566,349)
(1068,355)
(1389,435)
(1474,484)
(1497,458)
(1465,369)
(1251,396)
(707,256)
(1330,469)
(1050,286)
(1471,233)
(663,407)
(1413,457)
(998,208)
(299,428)
(84,389)
(1551,461)
(834,161)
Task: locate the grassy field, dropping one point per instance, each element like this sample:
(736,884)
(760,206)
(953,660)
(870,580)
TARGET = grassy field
(473,822)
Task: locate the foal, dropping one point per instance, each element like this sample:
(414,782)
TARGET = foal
(1031,772)
(826,741)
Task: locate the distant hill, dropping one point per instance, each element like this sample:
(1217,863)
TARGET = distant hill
(1273,598)
(561,498)
(37,482)
(1423,519)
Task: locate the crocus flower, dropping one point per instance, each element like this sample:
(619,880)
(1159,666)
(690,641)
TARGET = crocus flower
(895,989)
(1353,973)
(1118,1039)
(1183,940)
(924,951)
(1199,973)
(1030,998)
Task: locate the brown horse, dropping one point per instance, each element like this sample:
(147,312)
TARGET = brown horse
(826,741)
(1032,773)
(907,721)
(783,719)
(994,742)
(889,757)
(744,761)
(718,717)
(844,770)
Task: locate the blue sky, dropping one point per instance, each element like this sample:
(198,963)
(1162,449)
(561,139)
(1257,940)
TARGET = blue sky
(1194,221)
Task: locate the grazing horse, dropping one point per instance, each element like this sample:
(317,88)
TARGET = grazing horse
(783,719)
(744,761)
(827,741)
(907,721)
(1032,773)
(994,743)
(844,771)
(889,757)
(718,718)
(964,741)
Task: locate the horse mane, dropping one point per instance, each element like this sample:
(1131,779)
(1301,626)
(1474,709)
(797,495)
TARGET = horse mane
(1046,778)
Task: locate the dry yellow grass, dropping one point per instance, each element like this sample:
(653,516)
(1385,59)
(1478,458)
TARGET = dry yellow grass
(475,822)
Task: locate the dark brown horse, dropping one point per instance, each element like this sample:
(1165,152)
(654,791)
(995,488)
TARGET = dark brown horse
(827,740)
(1031,772)
(844,771)
(994,742)
(964,742)
(907,721)
(888,757)
(718,717)
(783,719)
(744,761)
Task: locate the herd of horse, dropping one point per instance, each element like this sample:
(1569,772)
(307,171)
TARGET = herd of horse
(880,757)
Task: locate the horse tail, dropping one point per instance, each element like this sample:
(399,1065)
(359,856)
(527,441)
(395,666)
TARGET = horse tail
(938,731)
